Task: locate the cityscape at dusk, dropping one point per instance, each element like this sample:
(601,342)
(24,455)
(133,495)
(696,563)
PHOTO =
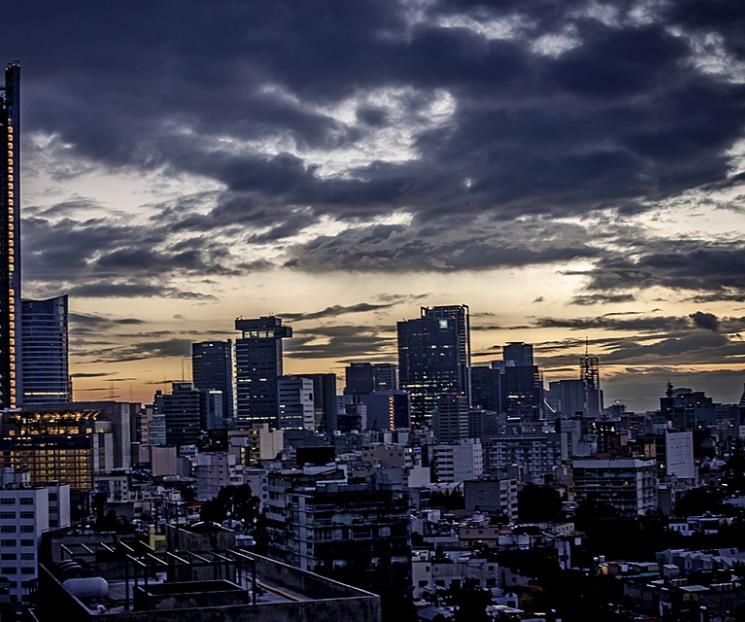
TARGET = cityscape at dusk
(569,170)
(405,310)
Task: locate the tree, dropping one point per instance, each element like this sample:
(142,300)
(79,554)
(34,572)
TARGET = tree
(699,501)
(470,601)
(538,504)
(238,503)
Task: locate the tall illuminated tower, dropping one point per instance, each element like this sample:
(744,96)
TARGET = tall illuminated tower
(10,237)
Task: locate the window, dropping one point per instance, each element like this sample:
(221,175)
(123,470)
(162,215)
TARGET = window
(7,501)
(27,529)
(27,556)
(27,500)
(8,529)
(7,515)
(28,543)
(8,570)
(7,542)
(27,514)
(28,570)
(8,557)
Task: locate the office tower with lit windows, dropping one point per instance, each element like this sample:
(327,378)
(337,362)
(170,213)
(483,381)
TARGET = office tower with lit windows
(258,365)
(45,372)
(431,360)
(462,317)
(11,390)
(212,370)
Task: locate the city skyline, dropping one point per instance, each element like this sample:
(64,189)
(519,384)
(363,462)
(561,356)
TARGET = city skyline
(560,197)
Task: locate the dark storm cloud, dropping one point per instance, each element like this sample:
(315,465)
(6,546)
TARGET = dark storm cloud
(716,269)
(587,300)
(225,90)
(337,310)
(143,350)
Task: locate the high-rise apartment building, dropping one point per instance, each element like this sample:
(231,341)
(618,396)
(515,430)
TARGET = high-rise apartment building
(45,371)
(212,370)
(325,409)
(11,390)
(451,417)
(258,364)
(432,359)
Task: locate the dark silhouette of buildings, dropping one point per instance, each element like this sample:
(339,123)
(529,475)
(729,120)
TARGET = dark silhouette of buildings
(45,370)
(258,364)
(486,387)
(11,389)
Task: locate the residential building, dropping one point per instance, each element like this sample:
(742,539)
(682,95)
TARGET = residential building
(325,410)
(534,457)
(26,512)
(492,495)
(458,462)
(296,403)
(679,455)
(450,421)
(355,533)
(628,485)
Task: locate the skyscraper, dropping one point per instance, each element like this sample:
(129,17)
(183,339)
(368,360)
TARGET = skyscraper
(522,393)
(325,409)
(462,317)
(296,403)
(431,360)
(11,390)
(183,410)
(45,369)
(518,354)
(590,374)
(258,364)
(212,370)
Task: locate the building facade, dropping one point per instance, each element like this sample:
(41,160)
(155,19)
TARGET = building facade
(45,370)
(212,369)
(258,365)
(11,386)
(628,485)
(430,361)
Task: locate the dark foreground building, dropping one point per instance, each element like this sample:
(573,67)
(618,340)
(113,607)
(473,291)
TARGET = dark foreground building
(130,582)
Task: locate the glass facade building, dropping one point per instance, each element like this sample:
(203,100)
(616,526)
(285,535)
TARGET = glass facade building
(258,364)
(45,368)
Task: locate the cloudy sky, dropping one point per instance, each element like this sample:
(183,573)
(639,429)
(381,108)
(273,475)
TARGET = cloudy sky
(571,170)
